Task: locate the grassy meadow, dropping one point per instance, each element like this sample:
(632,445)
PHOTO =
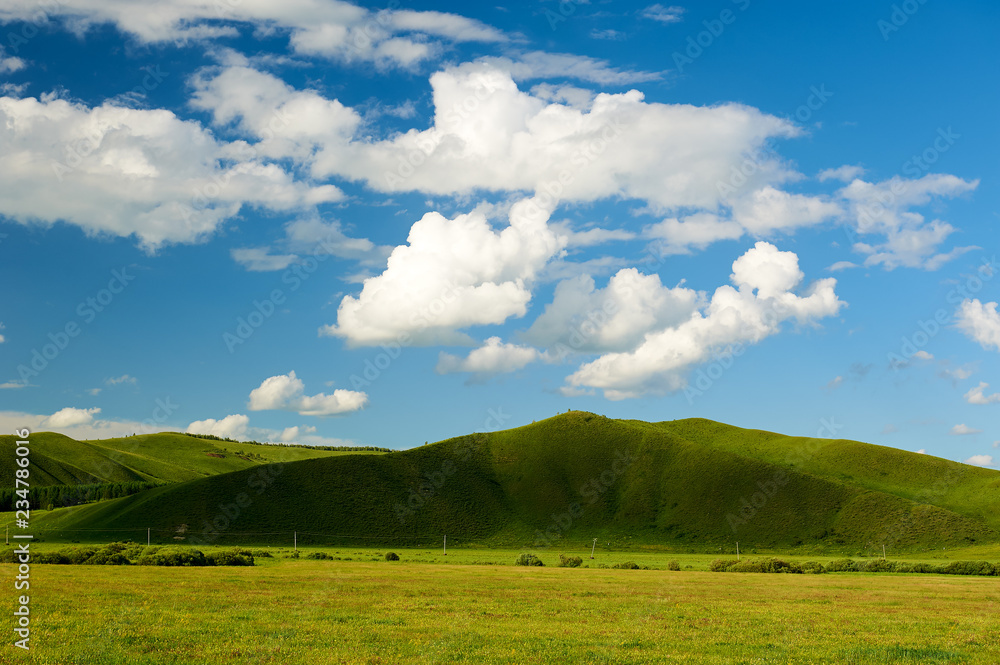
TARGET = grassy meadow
(419,610)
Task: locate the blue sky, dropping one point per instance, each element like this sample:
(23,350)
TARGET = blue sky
(390,223)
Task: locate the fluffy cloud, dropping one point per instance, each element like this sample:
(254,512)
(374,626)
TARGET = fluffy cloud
(980,323)
(122,171)
(451,274)
(697,231)
(583,319)
(286,392)
(977,395)
(884,208)
(328,28)
(767,210)
(963,429)
(761,300)
(231,427)
(70,417)
(124,378)
(494,357)
(980,460)
(489,135)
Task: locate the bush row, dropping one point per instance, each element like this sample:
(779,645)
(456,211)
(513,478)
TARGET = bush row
(848,565)
(125,554)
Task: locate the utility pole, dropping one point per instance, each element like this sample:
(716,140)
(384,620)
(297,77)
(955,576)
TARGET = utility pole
(446,545)
(295,541)
(147,536)
(883,551)
(737,550)
(592,547)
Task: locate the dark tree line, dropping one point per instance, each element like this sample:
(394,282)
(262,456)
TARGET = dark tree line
(59,496)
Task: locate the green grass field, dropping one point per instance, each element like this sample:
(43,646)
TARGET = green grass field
(419,610)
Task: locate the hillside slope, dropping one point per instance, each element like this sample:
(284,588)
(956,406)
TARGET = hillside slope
(579,476)
(163,457)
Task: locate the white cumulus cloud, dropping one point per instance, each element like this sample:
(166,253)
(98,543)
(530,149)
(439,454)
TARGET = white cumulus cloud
(977,395)
(70,417)
(980,322)
(120,171)
(286,392)
(493,357)
(980,460)
(231,427)
(755,309)
(963,430)
(451,274)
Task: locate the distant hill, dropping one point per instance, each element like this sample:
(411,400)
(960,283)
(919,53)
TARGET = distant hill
(686,483)
(163,457)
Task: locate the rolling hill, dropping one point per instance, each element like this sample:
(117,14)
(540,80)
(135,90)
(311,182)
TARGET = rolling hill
(163,457)
(686,483)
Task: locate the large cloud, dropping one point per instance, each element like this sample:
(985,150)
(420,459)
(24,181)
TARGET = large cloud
(286,392)
(327,28)
(755,309)
(583,319)
(489,135)
(122,171)
(980,322)
(451,274)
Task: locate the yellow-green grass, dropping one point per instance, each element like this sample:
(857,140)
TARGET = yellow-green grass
(316,612)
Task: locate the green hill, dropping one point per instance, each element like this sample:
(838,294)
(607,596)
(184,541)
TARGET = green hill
(163,457)
(577,476)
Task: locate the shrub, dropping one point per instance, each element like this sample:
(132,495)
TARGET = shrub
(877,566)
(968,568)
(106,557)
(841,566)
(755,566)
(234,557)
(318,555)
(722,565)
(391,556)
(174,556)
(569,561)
(814,567)
(628,565)
(262,554)
(673,565)
(528,560)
